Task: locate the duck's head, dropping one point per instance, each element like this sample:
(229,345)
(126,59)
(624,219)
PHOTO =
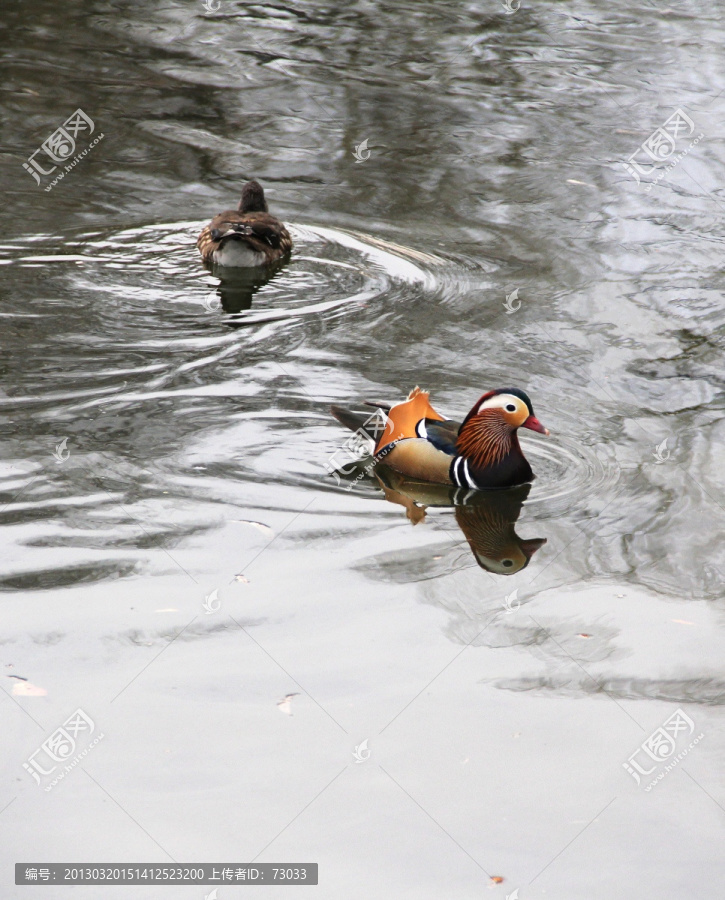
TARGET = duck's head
(507,407)
(252,198)
(488,433)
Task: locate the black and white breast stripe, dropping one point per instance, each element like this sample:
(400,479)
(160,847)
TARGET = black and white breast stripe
(460,474)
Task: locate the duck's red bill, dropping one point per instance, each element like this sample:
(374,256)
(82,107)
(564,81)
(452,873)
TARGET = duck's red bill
(533,423)
(531,545)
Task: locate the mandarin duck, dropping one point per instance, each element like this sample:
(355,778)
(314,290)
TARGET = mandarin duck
(486,518)
(481,452)
(246,237)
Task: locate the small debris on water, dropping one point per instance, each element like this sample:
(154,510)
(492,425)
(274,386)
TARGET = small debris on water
(285,705)
(26,689)
(260,526)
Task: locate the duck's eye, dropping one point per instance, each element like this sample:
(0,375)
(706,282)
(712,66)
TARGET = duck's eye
(507,562)
(510,407)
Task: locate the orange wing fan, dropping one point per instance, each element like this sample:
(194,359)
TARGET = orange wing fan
(403,417)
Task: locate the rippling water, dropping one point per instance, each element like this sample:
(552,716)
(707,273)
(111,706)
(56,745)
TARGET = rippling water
(167,435)
(248,366)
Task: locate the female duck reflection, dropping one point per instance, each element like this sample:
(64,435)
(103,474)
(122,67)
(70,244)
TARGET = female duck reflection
(237,287)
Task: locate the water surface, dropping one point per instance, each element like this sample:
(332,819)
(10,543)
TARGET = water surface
(167,439)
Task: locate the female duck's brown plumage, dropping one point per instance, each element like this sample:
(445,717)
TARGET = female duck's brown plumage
(482,452)
(245,237)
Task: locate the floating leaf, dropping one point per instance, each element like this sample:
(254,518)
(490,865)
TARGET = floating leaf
(285,704)
(26,689)
(260,526)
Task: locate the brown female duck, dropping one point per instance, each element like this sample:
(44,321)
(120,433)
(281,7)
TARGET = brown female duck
(246,237)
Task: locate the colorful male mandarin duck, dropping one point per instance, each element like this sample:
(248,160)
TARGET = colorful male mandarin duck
(481,452)
(246,237)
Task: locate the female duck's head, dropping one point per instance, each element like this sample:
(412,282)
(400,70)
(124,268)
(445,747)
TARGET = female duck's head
(252,198)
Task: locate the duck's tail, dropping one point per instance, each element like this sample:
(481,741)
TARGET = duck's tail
(379,404)
(352,420)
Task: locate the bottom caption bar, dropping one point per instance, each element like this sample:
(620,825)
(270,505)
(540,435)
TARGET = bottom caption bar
(148,873)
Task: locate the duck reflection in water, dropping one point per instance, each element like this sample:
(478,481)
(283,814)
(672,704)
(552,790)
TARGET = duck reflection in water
(237,287)
(486,518)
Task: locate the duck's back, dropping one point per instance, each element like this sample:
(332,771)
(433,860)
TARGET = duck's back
(233,238)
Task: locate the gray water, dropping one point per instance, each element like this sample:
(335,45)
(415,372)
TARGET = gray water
(178,556)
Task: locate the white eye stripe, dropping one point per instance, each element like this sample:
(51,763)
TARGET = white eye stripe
(502,401)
